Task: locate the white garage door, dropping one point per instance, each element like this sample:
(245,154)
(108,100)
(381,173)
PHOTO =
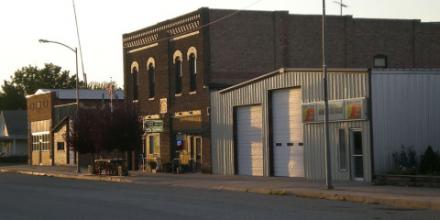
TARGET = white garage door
(249,141)
(287,133)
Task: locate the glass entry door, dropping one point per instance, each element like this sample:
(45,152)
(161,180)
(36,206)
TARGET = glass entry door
(152,147)
(195,152)
(357,156)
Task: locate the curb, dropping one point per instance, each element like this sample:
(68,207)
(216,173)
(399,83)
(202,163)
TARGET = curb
(403,202)
(82,177)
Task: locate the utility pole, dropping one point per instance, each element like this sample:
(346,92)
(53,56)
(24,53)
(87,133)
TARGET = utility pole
(341,5)
(328,173)
(111,94)
(79,44)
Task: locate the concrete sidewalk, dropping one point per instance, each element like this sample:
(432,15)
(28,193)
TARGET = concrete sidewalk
(399,197)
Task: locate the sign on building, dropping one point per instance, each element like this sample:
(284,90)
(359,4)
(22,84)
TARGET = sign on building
(344,109)
(153,126)
(163,106)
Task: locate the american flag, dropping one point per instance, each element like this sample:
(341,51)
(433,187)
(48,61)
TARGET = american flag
(110,90)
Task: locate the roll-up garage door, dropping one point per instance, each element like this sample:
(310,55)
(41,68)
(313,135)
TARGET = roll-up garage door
(249,140)
(287,139)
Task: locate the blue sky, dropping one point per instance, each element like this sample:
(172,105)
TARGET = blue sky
(102,23)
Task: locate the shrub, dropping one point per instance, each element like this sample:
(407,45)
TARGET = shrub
(429,163)
(152,164)
(14,159)
(405,162)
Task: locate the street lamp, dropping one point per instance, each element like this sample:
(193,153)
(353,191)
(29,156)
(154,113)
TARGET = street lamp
(328,168)
(77,83)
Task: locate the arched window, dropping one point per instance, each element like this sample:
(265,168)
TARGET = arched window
(134,79)
(177,59)
(151,80)
(151,71)
(192,61)
(380,61)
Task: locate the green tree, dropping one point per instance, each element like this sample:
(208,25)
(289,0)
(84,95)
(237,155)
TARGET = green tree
(29,79)
(11,98)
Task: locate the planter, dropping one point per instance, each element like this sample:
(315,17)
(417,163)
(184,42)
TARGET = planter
(147,169)
(408,180)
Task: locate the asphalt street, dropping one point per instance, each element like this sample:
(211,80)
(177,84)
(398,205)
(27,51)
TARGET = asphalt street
(34,197)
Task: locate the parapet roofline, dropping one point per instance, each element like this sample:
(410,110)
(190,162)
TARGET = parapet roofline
(266,11)
(162,22)
(84,94)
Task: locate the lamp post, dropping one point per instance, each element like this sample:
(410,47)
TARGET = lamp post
(328,173)
(75,50)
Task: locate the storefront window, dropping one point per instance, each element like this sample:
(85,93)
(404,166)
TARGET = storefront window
(40,141)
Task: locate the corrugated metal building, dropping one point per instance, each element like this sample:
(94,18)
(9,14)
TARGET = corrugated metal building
(273,125)
(227,104)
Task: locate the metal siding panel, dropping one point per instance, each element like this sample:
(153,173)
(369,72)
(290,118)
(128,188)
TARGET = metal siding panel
(405,112)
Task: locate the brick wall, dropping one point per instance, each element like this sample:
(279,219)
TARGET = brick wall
(39,107)
(353,43)
(242,46)
(251,43)
(427,44)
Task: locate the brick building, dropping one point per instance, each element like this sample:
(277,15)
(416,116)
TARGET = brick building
(49,112)
(171,67)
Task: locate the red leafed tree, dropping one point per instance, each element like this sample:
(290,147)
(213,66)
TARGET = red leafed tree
(124,130)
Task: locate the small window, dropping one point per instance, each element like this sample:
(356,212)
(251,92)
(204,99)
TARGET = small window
(178,74)
(193,72)
(342,150)
(60,145)
(151,80)
(380,61)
